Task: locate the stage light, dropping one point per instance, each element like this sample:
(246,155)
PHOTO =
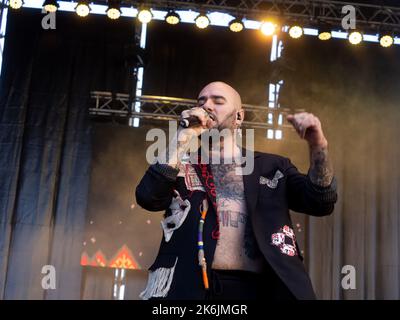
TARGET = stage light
(295,32)
(324,35)
(145,15)
(268,28)
(16,4)
(355,37)
(113,13)
(50,5)
(236,25)
(172,17)
(386,40)
(114,10)
(202,21)
(324,32)
(82,9)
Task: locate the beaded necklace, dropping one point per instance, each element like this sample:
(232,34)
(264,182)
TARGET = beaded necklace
(200,242)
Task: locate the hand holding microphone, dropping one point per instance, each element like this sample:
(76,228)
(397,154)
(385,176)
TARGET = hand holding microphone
(189,122)
(195,118)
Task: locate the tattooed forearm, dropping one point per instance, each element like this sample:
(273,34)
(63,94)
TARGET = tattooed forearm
(321,170)
(176,149)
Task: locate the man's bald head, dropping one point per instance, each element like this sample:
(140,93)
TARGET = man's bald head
(224,103)
(230,92)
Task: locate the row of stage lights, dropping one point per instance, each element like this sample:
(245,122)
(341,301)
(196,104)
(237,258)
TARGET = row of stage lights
(268,28)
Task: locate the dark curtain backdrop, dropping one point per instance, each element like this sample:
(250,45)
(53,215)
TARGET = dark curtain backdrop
(355,91)
(184,58)
(45,143)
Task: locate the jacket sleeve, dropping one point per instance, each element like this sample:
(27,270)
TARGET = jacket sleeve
(307,197)
(154,192)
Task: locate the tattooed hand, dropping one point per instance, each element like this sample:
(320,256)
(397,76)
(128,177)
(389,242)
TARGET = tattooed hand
(181,143)
(309,128)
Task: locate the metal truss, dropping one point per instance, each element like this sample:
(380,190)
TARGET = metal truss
(168,108)
(306,12)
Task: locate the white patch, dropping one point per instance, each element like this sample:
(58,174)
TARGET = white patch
(179,212)
(274,182)
(159,282)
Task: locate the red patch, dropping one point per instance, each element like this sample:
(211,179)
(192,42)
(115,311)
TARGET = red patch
(279,240)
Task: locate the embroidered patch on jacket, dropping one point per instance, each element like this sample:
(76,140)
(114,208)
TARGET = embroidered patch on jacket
(272,183)
(279,239)
(192,180)
(179,211)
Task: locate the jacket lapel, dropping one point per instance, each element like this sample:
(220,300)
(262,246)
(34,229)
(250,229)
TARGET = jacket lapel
(251,184)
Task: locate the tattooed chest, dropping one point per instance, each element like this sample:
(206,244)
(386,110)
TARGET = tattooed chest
(228,183)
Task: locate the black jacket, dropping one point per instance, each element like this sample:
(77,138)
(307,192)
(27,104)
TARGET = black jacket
(268,207)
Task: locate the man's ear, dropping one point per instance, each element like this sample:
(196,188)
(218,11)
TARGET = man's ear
(239,117)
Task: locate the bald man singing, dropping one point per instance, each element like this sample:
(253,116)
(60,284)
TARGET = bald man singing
(228,235)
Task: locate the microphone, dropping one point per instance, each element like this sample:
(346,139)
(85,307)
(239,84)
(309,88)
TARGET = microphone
(189,122)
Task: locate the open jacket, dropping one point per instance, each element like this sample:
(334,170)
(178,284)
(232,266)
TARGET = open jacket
(274,187)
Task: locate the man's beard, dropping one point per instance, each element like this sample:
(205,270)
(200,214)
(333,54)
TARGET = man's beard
(228,125)
(228,122)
